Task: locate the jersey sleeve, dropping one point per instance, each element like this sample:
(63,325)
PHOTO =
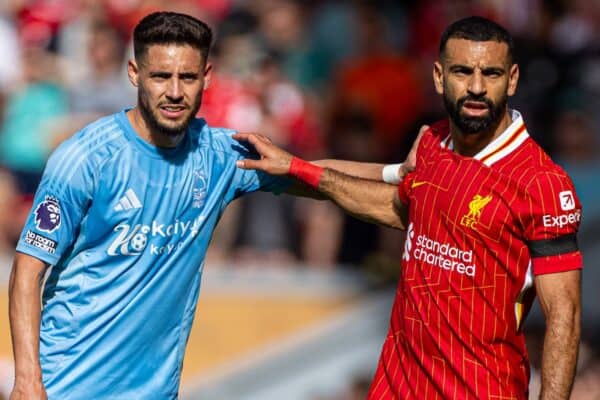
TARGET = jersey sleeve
(423,150)
(404,187)
(247,181)
(59,205)
(551,220)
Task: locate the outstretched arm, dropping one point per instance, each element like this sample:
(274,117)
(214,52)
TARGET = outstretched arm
(560,297)
(366,199)
(391,173)
(24,314)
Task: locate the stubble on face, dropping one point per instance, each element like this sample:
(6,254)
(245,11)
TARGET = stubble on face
(152,119)
(475,84)
(170,81)
(471,124)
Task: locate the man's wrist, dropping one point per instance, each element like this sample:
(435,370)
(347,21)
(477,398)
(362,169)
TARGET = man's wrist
(391,173)
(32,374)
(306,172)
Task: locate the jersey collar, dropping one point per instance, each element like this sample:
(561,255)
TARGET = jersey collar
(503,145)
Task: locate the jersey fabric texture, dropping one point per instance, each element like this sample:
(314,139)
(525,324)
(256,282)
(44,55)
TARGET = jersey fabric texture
(467,270)
(126,226)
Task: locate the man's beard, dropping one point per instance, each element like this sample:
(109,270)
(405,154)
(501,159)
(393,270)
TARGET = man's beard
(153,122)
(471,125)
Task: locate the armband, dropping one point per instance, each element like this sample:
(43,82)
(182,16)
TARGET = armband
(553,247)
(306,172)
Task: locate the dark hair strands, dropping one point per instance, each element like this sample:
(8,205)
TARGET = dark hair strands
(161,28)
(478,29)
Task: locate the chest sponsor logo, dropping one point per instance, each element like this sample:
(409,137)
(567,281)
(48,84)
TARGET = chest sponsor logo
(47,215)
(476,205)
(437,254)
(41,242)
(162,238)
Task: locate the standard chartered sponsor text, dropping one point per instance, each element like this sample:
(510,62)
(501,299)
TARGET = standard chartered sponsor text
(444,256)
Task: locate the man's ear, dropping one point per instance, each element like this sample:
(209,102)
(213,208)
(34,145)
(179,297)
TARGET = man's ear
(438,77)
(207,74)
(513,79)
(132,72)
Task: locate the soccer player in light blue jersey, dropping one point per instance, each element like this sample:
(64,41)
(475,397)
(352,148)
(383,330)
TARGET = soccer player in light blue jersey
(124,215)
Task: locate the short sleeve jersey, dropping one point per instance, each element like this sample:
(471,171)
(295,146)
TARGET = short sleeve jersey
(125,226)
(480,228)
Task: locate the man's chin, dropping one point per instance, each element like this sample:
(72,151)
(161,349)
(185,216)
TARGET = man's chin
(173,128)
(474,125)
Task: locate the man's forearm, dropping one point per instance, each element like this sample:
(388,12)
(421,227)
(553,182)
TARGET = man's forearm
(559,358)
(365,199)
(24,314)
(353,168)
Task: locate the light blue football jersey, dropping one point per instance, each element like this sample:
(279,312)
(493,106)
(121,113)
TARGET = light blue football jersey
(126,226)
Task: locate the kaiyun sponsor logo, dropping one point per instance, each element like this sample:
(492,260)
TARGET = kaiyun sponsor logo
(133,240)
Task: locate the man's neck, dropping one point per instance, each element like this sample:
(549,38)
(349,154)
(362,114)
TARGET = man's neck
(142,129)
(470,144)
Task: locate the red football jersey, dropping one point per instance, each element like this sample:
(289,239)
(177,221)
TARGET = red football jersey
(479,229)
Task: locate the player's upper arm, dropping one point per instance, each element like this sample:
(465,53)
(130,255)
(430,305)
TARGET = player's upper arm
(559,292)
(28,265)
(243,181)
(551,219)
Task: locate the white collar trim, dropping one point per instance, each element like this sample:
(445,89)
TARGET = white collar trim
(503,145)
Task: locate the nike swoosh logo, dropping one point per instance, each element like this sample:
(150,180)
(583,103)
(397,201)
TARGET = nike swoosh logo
(417,184)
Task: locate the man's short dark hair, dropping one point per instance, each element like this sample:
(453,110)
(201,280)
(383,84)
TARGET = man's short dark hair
(478,29)
(163,28)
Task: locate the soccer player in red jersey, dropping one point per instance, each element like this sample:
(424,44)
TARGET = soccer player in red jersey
(490,221)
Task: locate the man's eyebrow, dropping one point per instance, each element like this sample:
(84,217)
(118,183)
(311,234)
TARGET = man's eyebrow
(460,67)
(493,70)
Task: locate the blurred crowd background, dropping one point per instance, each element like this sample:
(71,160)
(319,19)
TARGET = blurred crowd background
(323,78)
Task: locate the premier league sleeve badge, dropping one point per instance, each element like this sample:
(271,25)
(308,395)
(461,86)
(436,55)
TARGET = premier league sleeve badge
(47,215)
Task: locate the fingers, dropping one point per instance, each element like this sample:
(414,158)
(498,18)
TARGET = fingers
(241,136)
(247,164)
(251,137)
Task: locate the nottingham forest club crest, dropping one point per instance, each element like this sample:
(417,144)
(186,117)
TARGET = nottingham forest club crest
(47,214)
(471,219)
(199,189)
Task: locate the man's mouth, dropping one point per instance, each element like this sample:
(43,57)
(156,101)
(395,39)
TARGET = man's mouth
(475,108)
(172,111)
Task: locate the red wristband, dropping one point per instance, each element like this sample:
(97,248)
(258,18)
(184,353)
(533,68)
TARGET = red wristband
(306,172)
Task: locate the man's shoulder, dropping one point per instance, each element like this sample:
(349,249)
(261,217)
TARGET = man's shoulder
(216,138)
(539,162)
(438,132)
(95,141)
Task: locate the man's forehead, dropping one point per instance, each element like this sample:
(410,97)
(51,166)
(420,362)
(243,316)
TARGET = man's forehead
(470,52)
(173,53)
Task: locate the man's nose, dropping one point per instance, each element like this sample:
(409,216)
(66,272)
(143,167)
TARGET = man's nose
(174,90)
(477,84)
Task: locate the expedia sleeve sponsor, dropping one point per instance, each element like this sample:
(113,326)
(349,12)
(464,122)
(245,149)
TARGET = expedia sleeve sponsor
(552,210)
(41,242)
(552,217)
